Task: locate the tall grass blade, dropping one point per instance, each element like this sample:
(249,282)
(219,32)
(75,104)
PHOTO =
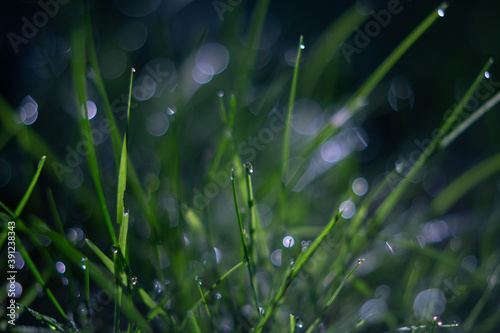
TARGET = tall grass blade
(293,271)
(334,296)
(286,135)
(193,324)
(249,263)
(52,323)
(27,195)
(358,99)
(78,70)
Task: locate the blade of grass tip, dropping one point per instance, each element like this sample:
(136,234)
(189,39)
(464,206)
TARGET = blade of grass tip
(193,325)
(488,105)
(293,271)
(79,81)
(198,283)
(251,207)
(193,308)
(122,173)
(291,100)
(39,279)
(358,99)
(244,243)
(292,323)
(334,296)
(454,191)
(389,202)
(27,195)
(52,323)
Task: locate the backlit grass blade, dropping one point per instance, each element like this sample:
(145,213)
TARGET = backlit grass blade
(358,99)
(250,264)
(27,195)
(291,99)
(293,271)
(387,205)
(104,258)
(488,105)
(292,323)
(122,173)
(79,79)
(334,296)
(454,191)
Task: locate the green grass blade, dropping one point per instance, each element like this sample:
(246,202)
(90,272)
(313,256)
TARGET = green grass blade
(122,173)
(39,279)
(293,271)
(79,80)
(104,258)
(27,195)
(387,205)
(87,283)
(354,104)
(193,325)
(55,213)
(117,289)
(367,87)
(476,311)
(488,105)
(293,323)
(286,135)
(334,296)
(198,283)
(92,55)
(124,236)
(250,264)
(52,323)
(465,183)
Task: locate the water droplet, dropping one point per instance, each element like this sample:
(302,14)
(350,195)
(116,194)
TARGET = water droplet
(288,241)
(261,310)
(84,263)
(248,166)
(114,249)
(158,288)
(434,318)
(171,110)
(389,246)
(360,261)
(440,323)
(197,279)
(299,322)
(302,46)
(133,280)
(220,94)
(133,70)
(487,74)
(125,212)
(441,12)
(232,174)
(218,296)
(322,326)
(399,166)
(292,263)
